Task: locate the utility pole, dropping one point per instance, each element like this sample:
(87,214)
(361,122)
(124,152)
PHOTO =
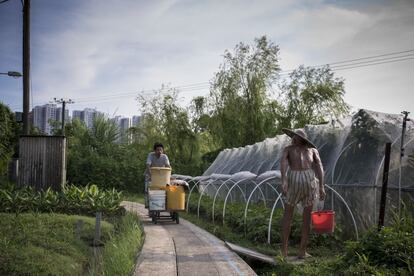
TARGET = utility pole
(26,66)
(404,126)
(63,102)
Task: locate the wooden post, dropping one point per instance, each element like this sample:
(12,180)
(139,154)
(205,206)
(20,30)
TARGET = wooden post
(79,226)
(384,186)
(97,239)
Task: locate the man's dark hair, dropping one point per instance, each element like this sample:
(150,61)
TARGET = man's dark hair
(157,145)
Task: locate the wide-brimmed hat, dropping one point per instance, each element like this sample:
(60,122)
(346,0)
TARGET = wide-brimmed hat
(301,134)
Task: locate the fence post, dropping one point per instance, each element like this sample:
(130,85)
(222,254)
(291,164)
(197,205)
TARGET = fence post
(97,238)
(79,226)
(384,186)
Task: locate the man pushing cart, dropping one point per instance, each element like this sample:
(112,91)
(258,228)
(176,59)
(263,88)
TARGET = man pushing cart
(157,158)
(162,194)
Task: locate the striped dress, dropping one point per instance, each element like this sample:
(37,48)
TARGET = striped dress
(302,187)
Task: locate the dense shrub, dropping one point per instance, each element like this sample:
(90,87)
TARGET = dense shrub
(95,156)
(8,137)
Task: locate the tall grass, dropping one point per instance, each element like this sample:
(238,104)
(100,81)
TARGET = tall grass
(120,252)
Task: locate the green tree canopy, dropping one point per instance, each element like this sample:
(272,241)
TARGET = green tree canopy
(165,121)
(241,112)
(311,96)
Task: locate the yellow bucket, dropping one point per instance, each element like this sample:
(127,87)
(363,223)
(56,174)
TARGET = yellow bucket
(160,176)
(175,198)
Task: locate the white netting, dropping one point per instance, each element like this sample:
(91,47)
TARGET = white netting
(352,153)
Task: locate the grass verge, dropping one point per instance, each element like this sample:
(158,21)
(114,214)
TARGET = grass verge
(54,244)
(33,244)
(134,197)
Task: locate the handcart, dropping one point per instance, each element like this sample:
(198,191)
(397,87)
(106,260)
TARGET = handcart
(170,200)
(165,196)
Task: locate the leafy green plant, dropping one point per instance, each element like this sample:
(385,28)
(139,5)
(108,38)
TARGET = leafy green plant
(388,248)
(388,251)
(71,200)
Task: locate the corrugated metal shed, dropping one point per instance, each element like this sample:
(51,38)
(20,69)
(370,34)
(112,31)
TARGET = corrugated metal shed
(42,162)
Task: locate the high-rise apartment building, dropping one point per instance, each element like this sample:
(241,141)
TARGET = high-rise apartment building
(76,114)
(38,117)
(87,116)
(136,120)
(59,115)
(43,115)
(123,125)
(50,115)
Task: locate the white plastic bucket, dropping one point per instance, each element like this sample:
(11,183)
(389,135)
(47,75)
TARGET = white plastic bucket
(157,200)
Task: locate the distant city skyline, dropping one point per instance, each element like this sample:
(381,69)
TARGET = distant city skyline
(43,114)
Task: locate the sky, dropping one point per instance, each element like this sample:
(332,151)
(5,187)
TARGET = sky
(102,53)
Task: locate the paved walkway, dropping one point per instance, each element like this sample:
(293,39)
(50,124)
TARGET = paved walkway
(183,249)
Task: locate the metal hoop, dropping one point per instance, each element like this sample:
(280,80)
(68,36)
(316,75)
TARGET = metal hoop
(231,188)
(248,200)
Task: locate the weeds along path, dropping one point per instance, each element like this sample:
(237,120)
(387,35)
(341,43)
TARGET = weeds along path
(183,249)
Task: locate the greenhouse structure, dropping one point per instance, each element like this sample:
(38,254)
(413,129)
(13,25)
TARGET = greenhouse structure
(352,152)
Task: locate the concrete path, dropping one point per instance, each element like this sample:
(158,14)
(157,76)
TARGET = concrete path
(183,249)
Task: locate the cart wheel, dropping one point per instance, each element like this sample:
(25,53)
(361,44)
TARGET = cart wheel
(177,218)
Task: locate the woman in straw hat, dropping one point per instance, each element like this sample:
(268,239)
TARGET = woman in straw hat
(299,184)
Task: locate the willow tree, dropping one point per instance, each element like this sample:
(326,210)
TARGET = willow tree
(165,121)
(312,96)
(241,111)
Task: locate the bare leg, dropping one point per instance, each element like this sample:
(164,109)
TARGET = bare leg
(305,230)
(287,221)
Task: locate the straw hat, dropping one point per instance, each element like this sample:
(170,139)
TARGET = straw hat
(301,134)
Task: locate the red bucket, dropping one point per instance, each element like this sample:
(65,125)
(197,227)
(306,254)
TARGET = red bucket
(323,221)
